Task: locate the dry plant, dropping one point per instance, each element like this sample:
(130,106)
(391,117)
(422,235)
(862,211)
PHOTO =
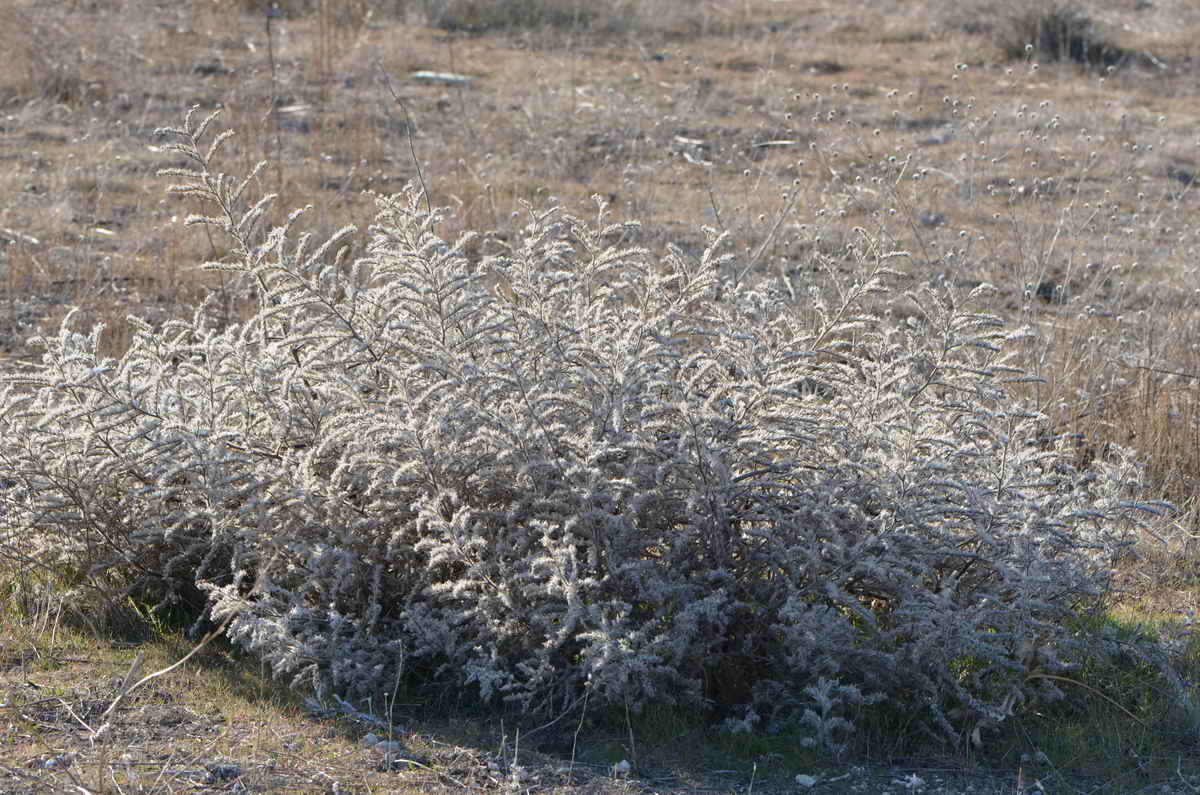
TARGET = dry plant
(824,146)
(603,475)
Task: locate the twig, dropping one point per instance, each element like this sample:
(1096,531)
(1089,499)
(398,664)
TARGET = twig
(1179,772)
(71,712)
(762,248)
(575,738)
(126,688)
(30,703)
(462,102)
(1093,690)
(629,726)
(412,150)
(1158,370)
(272,12)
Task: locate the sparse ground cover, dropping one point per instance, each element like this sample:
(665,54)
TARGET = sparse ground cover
(221,724)
(799,128)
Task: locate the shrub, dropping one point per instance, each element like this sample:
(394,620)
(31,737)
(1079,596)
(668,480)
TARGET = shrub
(478,16)
(573,468)
(1057,33)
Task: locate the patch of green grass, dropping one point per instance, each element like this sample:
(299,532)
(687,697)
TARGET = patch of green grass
(1120,722)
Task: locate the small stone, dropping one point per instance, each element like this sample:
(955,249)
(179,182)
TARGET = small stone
(441,78)
(223,773)
(210,69)
(1182,175)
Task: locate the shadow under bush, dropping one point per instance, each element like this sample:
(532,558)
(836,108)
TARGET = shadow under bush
(574,469)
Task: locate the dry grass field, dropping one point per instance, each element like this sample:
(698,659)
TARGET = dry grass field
(1065,173)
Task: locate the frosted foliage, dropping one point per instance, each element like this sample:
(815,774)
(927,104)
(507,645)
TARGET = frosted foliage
(574,467)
